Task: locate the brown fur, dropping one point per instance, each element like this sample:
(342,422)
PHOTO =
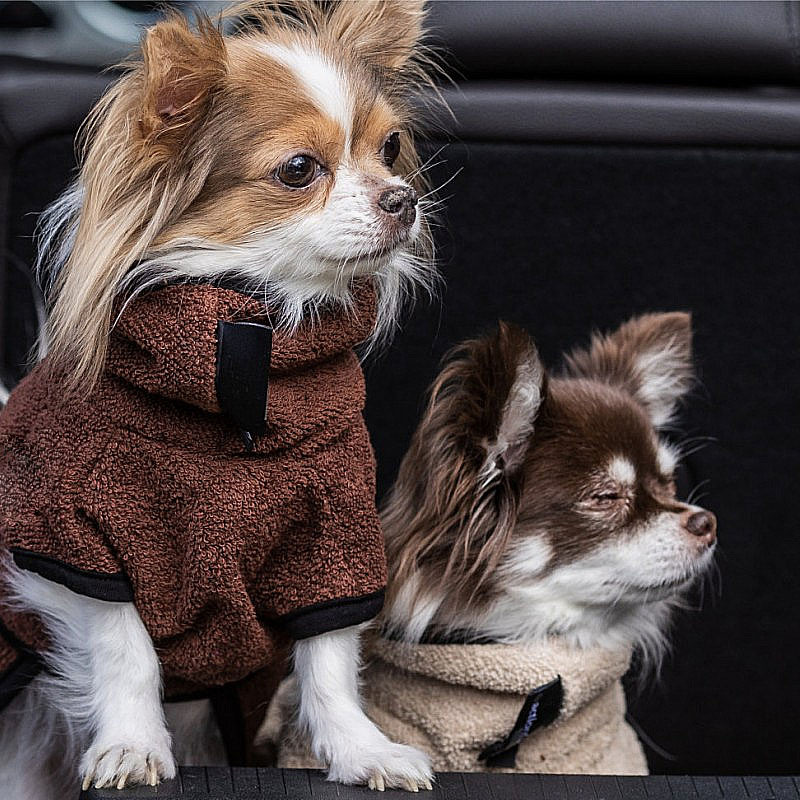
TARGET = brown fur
(437,518)
(581,427)
(447,527)
(615,359)
(182,72)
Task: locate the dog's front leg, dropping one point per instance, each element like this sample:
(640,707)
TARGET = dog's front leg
(105,680)
(131,744)
(342,736)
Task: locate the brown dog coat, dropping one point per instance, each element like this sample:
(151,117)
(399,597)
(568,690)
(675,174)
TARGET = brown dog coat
(144,491)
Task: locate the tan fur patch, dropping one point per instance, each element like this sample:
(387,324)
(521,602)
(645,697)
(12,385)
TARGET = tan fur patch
(265,118)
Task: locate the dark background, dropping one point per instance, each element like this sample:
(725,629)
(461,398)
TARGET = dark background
(608,159)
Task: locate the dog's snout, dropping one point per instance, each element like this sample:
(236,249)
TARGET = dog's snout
(703,525)
(400,202)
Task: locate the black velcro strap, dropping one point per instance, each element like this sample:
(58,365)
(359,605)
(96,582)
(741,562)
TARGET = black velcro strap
(244,350)
(541,707)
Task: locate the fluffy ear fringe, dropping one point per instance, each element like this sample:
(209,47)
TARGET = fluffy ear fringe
(385,33)
(649,356)
(516,358)
(182,69)
(456,498)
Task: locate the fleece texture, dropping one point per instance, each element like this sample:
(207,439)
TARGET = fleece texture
(144,491)
(453,700)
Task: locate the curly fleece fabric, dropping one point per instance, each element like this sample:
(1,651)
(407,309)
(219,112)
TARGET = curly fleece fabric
(143,491)
(453,700)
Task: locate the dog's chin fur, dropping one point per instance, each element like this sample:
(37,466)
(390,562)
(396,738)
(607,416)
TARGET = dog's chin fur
(500,524)
(296,285)
(523,614)
(526,613)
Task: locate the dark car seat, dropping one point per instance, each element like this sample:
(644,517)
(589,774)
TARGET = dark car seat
(606,159)
(41,106)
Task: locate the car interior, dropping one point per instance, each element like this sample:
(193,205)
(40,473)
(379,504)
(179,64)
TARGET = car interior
(595,160)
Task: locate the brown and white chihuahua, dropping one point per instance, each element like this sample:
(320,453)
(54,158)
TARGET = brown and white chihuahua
(279,154)
(531,505)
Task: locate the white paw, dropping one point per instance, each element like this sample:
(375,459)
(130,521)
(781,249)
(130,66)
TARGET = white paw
(382,765)
(124,765)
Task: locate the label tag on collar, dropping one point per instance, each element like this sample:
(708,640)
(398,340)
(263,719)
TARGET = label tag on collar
(244,350)
(541,707)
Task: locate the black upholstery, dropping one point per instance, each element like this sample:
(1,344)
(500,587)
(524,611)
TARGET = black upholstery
(664,174)
(699,42)
(41,106)
(549,111)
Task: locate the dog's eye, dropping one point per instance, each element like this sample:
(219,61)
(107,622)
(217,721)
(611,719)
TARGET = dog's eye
(391,149)
(298,171)
(605,501)
(606,497)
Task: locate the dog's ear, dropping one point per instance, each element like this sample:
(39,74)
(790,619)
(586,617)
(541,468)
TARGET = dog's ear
(649,356)
(456,498)
(182,71)
(485,402)
(384,33)
(506,379)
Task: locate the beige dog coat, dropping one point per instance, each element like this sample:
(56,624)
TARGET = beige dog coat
(454,700)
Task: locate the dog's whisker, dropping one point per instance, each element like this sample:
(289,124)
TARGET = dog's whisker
(443,184)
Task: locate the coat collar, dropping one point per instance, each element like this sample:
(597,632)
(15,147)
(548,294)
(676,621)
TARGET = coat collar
(505,668)
(166,341)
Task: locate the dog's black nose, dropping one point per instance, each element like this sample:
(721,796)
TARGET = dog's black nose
(702,524)
(401,202)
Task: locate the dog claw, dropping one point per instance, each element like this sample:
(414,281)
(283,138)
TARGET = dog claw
(383,765)
(429,786)
(376,782)
(123,766)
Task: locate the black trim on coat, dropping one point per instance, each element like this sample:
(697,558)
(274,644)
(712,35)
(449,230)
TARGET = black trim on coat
(115,588)
(330,615)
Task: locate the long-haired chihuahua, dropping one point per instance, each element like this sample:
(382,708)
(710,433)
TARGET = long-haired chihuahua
(273,149)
